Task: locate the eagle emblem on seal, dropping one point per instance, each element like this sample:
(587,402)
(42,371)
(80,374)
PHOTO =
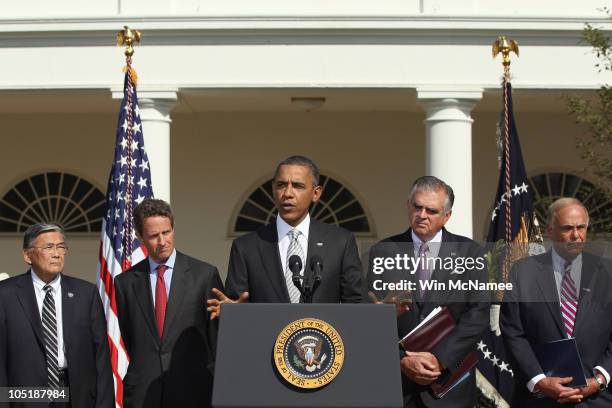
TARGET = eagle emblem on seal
(308,349)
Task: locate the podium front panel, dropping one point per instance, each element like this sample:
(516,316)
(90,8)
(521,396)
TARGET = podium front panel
(246,374)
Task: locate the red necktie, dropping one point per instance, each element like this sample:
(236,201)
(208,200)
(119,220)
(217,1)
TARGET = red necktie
(161,299)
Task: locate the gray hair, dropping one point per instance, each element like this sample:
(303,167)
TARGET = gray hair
(40,228)
(431,183)
(301,161)
(560,203)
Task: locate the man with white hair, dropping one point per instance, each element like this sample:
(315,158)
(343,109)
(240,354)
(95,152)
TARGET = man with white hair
(563,293)
(430,206)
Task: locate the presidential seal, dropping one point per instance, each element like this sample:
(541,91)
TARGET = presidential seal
(308,353)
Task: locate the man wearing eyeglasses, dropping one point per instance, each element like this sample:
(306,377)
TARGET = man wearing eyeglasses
(52,327)
(430,206)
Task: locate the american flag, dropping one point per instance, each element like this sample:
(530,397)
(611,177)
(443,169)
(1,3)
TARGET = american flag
(129,184)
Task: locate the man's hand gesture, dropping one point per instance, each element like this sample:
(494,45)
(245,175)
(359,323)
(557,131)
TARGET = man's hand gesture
(402,304)
(214,304)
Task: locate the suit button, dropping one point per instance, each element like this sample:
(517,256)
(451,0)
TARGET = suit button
(421,317)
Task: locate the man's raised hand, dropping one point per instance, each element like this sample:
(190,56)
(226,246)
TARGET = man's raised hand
(214,304)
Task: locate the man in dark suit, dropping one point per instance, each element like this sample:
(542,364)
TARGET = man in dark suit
(556,295)
(52,327)
(259,261)
(429,208)
(161,307)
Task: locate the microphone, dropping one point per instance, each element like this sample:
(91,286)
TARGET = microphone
(295,266)
(316,265)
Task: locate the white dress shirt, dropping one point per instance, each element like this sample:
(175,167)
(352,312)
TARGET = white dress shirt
(576,274)
(282,229)
(559,271)
(167,275)
(434,249)
(56,290)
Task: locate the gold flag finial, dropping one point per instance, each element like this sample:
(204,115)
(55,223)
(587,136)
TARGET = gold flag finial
(127,38)
(505,46)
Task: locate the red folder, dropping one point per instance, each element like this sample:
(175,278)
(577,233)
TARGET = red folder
(427,336)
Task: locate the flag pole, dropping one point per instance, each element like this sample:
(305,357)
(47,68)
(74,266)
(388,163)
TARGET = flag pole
(505,47)
(119,248)
(510,232)
(127,38)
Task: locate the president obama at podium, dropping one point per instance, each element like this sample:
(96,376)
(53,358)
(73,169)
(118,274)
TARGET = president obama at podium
(259,267)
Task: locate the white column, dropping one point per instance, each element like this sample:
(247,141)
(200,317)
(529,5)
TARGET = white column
(449,147)
(155,109)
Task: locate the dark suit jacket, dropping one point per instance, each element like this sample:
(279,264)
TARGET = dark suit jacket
(531,315)
(22,355)
(255,266)
(175,371)
(469,308)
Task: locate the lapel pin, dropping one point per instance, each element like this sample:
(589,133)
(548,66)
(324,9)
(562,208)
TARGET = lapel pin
(70,294)
(319,244)
(586,289)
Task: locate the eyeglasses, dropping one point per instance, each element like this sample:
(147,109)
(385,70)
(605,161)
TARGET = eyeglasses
(49,249)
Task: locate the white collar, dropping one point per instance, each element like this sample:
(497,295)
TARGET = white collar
(169,262)
(282,228)
(418,241)
(39,283)
(559,262)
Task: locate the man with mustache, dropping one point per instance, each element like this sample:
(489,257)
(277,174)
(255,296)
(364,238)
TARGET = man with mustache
(563,293)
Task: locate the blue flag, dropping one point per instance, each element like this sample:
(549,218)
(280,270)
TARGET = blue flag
(512,218)
(519,197)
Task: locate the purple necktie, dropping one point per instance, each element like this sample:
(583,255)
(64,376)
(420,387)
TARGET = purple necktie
(423,272)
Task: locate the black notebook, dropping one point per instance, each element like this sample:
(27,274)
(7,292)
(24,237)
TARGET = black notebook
(560,358)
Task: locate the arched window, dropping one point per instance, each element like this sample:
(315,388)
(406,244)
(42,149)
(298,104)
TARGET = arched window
(338,205)
(61,198)
(547,187)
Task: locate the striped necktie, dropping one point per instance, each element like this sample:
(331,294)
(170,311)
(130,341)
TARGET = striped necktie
(49,325)
(294,249)
(569,300)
